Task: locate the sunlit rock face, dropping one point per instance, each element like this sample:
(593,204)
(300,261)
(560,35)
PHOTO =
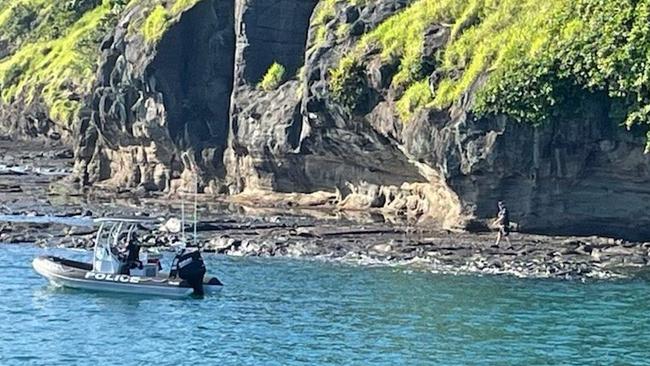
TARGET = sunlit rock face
(153,102)
(196,91)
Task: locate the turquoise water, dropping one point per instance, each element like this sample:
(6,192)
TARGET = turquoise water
(290,312)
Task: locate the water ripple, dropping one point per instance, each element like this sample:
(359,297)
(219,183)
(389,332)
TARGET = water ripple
(286,312)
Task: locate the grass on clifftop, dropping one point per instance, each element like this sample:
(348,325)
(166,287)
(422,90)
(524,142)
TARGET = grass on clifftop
(483,34)
(160,19)
(55,48)
(521,55)
(56,64)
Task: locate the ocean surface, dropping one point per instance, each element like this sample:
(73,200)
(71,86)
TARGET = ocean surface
(299,312)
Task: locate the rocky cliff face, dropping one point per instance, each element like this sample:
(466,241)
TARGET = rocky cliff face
(153,101)
(196,90)
(582,176)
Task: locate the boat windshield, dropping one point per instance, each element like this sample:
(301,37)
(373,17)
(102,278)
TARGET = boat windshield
(112,234)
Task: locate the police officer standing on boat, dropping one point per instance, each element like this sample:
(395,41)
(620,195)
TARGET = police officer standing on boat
(502,223)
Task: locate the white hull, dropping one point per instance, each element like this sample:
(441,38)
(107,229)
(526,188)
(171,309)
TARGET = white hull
(61,275)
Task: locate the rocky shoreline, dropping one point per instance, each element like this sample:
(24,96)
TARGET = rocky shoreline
(529,256)
(28,184)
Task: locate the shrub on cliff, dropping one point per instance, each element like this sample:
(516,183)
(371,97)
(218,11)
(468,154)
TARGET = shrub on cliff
(19,20)
(273,78)
(53,47)
(54,62)
(160,18)
(347,82)
(416,97)
(518,57)
(594,45)
(156,24)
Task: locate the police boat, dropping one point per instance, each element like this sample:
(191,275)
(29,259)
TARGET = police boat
(117,265)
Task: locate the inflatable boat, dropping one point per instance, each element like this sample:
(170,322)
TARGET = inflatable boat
(117,266)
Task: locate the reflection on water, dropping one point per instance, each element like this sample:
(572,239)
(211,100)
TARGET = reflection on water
(284,312)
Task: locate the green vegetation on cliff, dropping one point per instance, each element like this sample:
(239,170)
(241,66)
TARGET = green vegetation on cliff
(325,12)
(273,77)
(156,24)
(52,47)
(346,82)
(160,19)
(519,57)
(594,45)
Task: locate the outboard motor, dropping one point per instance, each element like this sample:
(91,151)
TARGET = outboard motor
(189,266)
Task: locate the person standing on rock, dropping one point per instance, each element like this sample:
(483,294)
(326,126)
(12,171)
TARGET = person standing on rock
(502,223)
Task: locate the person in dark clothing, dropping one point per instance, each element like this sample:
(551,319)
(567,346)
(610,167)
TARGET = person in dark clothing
(133,256)
(130,255)
(502,223)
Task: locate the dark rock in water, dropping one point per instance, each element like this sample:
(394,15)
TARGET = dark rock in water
(5,228)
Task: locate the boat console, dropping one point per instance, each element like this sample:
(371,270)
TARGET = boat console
(150,267)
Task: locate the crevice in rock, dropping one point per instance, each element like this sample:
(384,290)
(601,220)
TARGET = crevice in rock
(276,31)
(193,70)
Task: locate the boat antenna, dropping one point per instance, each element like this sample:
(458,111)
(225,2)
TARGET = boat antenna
(183,217)
(196,193)
(189,163)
